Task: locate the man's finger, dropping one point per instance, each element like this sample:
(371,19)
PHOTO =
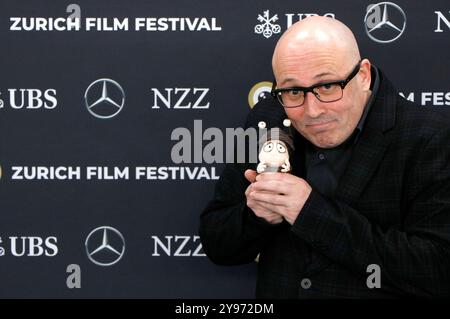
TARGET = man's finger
(269,200)
(273,176)
(272,186)
(286,178)
(250,175)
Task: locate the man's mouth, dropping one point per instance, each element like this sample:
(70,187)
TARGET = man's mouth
(320,125)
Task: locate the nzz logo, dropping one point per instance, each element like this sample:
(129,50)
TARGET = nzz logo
(181,98)
(31,246)
(30,99)
(178,246)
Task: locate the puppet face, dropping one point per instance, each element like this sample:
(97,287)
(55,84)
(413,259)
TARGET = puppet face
(273,153)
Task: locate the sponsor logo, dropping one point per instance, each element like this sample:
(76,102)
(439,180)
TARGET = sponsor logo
(177,246)
(441,18)
(104,98)
(267,26)
(181,98)
(271,24)
(31,246)
(2,250)
(385,22)
(105,246)
(30,99)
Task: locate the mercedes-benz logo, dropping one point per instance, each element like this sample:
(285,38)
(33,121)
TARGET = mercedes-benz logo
(104,98)
(105,246)
(382,27)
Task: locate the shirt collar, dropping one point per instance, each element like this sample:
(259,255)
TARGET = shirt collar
(374,85)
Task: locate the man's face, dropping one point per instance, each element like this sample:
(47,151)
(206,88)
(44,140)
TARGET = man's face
(326,125)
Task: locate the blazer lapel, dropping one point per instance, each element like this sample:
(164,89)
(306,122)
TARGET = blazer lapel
(366,157)
(372,143)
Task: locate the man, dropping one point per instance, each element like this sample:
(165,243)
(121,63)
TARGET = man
(370,188)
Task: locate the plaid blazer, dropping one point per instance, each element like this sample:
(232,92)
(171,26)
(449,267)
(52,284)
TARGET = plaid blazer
(392,209)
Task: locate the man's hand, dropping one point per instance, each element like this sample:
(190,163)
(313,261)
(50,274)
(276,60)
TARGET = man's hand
(258,208)
(279,194)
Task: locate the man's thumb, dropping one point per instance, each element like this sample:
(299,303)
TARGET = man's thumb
(250,175)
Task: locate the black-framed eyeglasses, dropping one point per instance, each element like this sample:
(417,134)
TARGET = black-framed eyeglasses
(326,92)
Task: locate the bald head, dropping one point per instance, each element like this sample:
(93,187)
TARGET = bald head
(316,36)
(317,52)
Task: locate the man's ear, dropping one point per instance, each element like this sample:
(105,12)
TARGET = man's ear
(365,74)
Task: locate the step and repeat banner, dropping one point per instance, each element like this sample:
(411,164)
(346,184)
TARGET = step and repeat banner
(110,109)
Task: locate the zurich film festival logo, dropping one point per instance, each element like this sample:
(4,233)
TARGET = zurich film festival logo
(105,246)
(260,91)
(104,98)
(385,22)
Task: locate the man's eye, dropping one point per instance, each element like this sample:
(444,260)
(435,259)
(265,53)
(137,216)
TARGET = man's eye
(327,89)
(295,92)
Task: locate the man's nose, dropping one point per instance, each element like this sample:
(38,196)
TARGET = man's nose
(313,107)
